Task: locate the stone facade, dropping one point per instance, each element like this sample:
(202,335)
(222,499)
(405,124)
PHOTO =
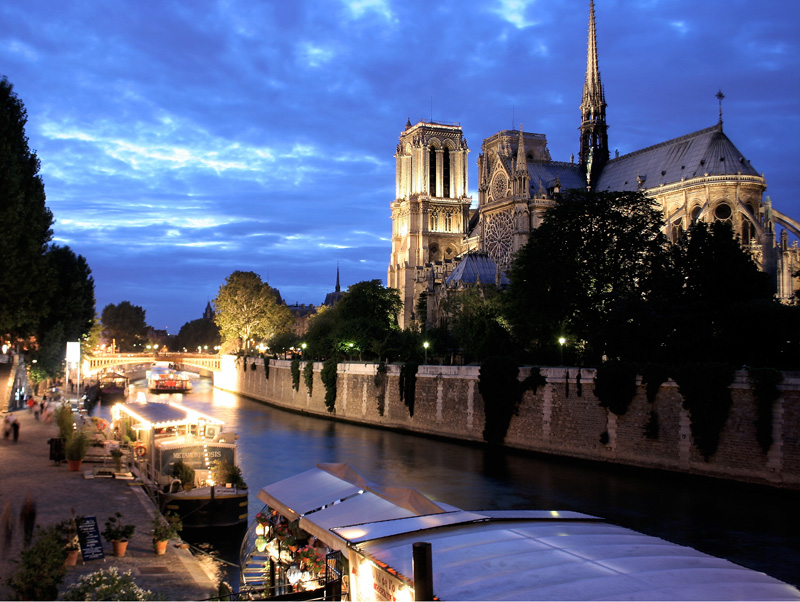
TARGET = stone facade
(699,176)
(562,418)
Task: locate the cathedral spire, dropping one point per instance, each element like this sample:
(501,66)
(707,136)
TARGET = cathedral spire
(338,288)
(522,161)
(594,131)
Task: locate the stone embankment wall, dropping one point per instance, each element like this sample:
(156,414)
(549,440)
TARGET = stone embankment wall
(562,418)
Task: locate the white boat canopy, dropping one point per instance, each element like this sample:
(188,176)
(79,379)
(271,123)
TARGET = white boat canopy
(507,555)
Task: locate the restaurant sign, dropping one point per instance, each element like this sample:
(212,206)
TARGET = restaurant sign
(375,580)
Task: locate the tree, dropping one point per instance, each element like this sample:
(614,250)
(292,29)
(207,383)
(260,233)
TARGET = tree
(596,257)
(25,218)
(124,324)
(68,295)
(477,323)
(198,333)
(249,309)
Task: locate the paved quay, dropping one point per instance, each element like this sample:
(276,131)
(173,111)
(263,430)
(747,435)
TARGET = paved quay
(25,469)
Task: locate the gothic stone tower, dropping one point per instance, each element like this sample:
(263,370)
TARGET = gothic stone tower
(594,130)
(430,214)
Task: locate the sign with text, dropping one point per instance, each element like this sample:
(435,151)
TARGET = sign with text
(89,536)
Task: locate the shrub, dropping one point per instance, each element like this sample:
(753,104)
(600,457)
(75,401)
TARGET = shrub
(502,393)
(295,370)
(223,471)
(40,566)
(308,376)
(407,384)
(64,420)
(166,527)
(116,530)
(615,386)
(764,382)
(107,585)
(183,472)
(328,377)
(76,446)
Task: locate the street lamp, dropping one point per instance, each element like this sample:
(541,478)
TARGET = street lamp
(426,344)
(561,341)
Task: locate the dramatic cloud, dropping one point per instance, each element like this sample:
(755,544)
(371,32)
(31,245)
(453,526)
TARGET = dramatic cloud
(182,141)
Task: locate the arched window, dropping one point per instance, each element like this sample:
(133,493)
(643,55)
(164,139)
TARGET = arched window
(695,213)
(448,221)
(434,221)
(432,172)
(446,173)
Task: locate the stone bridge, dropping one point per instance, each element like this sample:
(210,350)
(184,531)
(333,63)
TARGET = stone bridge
(194,362)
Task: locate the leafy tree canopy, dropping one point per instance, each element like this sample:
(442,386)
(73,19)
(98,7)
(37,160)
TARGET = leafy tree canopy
(363,322)
(248,309)
(198,333)
(124,324)
(477,324)
(25,218)
(596,253)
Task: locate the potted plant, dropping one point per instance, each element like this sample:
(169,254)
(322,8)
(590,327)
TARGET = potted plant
(68,530)
(116,455)
(118,533)
(75,449)
(184,473)
(165,528)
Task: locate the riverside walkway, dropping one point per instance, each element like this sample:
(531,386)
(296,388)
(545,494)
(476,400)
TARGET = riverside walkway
(25,469)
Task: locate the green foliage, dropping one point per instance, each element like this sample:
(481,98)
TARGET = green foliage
(653,376)
(223,471)
(198,333)
(40,567)
(76,445)
(125,324)
(26,222)
(502,392)
(328,377)
(248,309)
(407,384)
(380,384)
(283,341)
(166,527)
(107,584)
(764,382)
(308,376)
(651,429)
(64,420)
(476,322)
(707,398)
(116,530)
(295,370)
(590,264)
(615,386)
(183,472)
(364,321)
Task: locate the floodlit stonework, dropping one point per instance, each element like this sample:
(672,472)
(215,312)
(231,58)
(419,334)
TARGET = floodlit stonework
(699,176)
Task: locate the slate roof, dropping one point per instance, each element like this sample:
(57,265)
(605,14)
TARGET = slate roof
(474,266)
(707,151)
(569,174)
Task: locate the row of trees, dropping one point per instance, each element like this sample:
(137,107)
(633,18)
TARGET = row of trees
(46,290)
(598,280)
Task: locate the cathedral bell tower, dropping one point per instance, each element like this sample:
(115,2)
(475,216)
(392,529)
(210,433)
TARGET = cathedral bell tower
(430,214)
(594,131)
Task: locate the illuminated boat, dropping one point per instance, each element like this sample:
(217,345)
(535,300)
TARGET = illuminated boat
(167,439)
(112,387)
(163,377)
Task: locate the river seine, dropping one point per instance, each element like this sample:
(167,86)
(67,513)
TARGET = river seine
(756,527)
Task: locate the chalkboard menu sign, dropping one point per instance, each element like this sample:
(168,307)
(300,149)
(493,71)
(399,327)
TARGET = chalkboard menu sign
(89,536)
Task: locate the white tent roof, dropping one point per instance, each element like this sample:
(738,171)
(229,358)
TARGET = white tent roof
(559,556)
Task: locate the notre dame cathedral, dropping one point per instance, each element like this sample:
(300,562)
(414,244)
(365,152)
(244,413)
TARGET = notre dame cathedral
(440,244)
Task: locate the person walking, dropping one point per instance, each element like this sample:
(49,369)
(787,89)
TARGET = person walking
(15,427)
(27,517)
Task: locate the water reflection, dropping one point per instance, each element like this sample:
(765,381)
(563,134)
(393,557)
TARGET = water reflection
(755,527)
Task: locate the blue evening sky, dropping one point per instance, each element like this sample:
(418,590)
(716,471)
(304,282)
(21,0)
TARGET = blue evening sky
(183,140)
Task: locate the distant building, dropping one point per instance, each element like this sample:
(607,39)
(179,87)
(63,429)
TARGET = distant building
(699,176)
(333,298)
(302,313)
(208,314)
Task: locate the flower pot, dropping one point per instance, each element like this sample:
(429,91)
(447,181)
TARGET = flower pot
(120,547)
(72,557)
(74,465)
(160,547)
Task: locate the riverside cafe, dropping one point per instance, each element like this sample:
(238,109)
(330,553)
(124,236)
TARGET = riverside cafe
(492,555)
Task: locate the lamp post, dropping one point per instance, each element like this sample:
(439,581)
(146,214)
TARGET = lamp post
(561,341)
(426,344)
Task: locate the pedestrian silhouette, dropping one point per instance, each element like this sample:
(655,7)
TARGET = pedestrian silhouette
(28,518)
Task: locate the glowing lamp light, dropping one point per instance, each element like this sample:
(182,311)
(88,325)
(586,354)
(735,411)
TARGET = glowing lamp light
(294,574)
(259,529)
(261,543)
